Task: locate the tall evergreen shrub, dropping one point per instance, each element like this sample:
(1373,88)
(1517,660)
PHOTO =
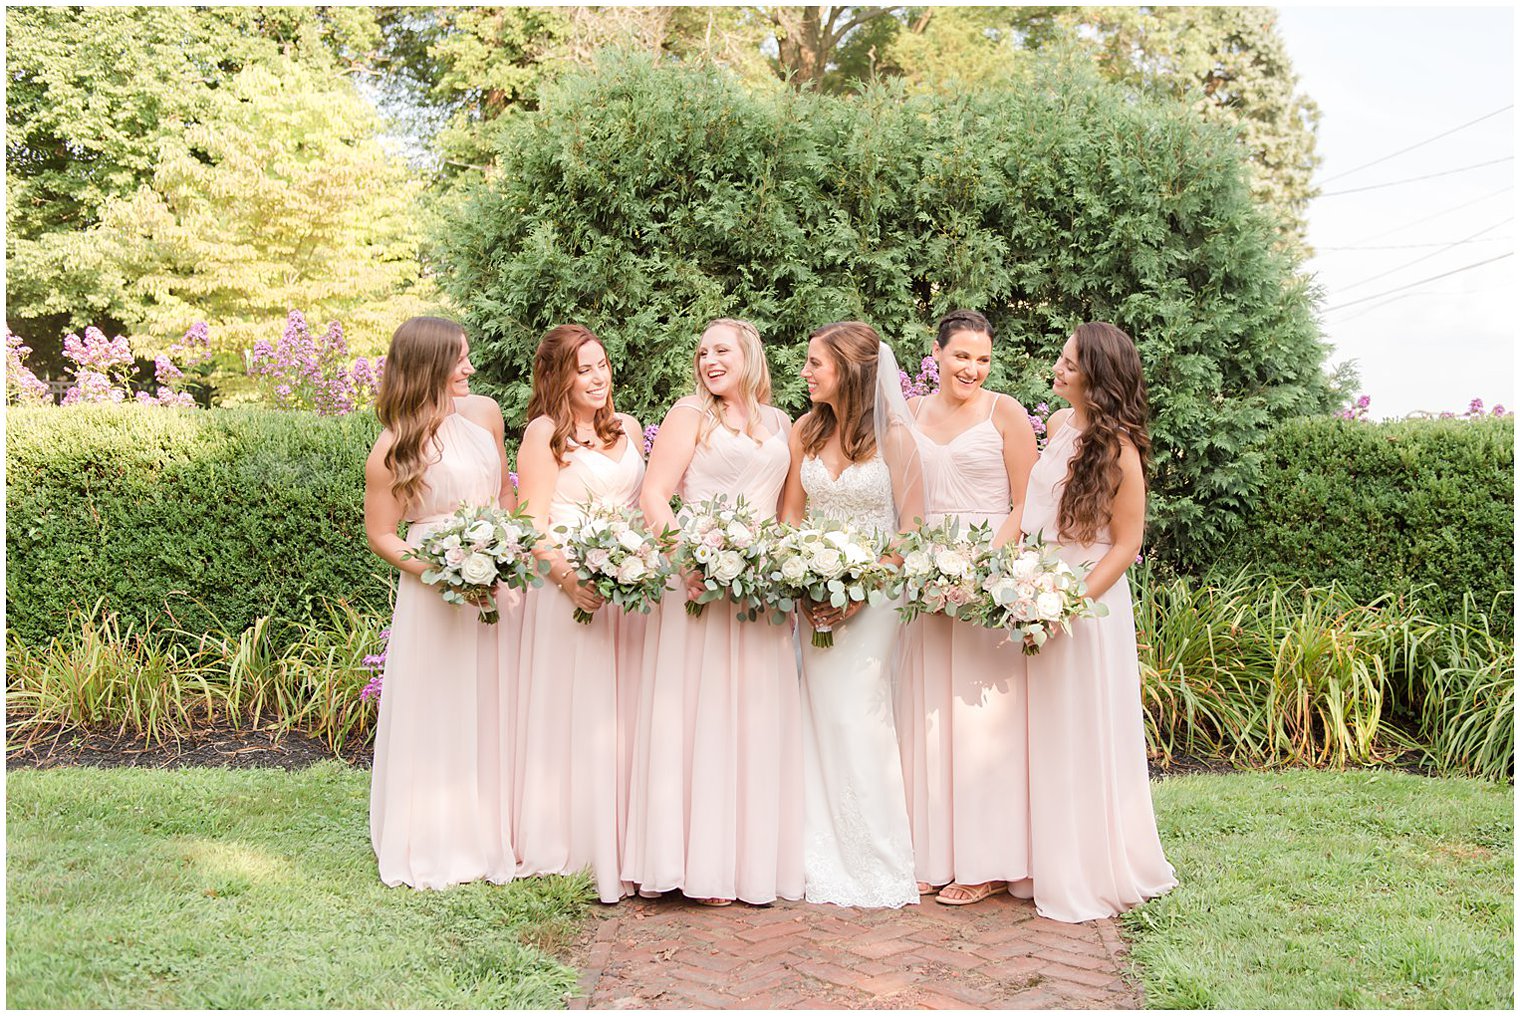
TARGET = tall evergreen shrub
(215,516)
(643,200)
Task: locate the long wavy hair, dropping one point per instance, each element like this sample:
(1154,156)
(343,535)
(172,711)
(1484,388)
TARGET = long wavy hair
(754,381)
(1117,409)
(414,398)
(554,370)
(855,348)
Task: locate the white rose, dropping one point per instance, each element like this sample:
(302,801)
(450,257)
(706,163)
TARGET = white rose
(739,534)
(1002,590)
(449,542)
(478,570)
(1025,565)
(598,560)
(632,570)
(453,556)
(794,569)
(630,539)
(728,567)
(951,562)
(854,553)
(479,530)
(1050,606)
(828,562)
(916,563)
(1045,582)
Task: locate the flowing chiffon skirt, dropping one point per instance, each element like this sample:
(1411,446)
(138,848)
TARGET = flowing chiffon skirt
(716,804)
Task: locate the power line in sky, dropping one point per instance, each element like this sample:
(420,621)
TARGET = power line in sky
(1416,179)
(1436,215)
(1417,144)
(1410,246)
(1421,282)
(1426,257)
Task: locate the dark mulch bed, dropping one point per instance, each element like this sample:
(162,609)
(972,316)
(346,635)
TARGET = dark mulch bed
(214,746)
(223,746)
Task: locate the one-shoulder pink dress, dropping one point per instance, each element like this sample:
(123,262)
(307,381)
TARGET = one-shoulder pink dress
(961,699)
(1095,851)
(435,792)
(715,806)
(575,697)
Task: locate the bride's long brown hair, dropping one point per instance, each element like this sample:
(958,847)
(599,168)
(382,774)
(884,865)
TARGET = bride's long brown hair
(1117,409)
(856,349)
(554,368)
(414,397)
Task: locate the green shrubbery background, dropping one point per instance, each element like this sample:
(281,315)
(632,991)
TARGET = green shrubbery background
(216,516)
(1422,505)
(644,201)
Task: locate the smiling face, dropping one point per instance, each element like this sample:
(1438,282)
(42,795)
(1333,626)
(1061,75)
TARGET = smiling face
(821,372)
(459,380)
(593,379)
(720,361)
(1070,383)
(964,363)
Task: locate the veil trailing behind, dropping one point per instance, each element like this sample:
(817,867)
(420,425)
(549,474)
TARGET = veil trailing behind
(895,442)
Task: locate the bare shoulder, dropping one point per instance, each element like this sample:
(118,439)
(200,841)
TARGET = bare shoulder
(1057,420)
(630,426)
(1129,457)
(482,409)
(786,421)
(538,431)
(382,447)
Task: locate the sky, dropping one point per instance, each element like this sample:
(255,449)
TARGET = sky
(1387,79)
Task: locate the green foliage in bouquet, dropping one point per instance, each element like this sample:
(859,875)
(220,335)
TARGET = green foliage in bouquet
(644,200)
(215,517)
(1422,507)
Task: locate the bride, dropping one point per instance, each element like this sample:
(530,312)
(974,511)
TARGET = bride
(854,459)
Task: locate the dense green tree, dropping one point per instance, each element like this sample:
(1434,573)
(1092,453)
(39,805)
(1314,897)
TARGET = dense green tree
(643,201)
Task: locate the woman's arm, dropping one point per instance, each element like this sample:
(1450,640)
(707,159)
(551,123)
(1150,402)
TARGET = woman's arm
(1126,527)
(1019,454)
(382,512)
(673,449)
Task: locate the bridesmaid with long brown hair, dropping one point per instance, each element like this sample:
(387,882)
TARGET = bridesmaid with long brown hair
(435,792)
(576,684)
(1095,851)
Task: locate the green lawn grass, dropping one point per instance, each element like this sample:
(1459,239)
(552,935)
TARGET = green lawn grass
(1315,889)
(209,888)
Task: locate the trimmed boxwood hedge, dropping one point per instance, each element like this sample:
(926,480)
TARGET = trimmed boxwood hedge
(1388,508)
(219,516)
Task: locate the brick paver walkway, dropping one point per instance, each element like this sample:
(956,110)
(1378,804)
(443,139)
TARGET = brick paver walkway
(998,954)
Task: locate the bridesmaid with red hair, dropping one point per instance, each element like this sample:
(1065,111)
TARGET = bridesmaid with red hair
(576,685)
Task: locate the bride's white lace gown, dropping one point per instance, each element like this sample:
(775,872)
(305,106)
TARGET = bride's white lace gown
(859,849)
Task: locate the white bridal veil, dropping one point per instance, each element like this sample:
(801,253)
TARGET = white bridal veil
(896,442)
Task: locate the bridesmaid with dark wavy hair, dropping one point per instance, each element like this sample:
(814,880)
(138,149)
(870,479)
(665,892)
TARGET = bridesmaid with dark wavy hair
(1094,850)
(435,792)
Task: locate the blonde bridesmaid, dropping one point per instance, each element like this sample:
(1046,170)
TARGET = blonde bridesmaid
(435,793)
(1095,850)
(715,806)
(961,700)
(575,682)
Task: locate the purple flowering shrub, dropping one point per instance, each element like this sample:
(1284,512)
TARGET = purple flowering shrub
(925,383)
(1475,411)
(650,432)
(103,369)
(303,371)
(376,663)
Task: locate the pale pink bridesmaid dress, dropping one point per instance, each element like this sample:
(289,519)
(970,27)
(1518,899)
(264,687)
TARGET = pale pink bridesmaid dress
(961,700)
(435,792)
(575,696)
(1095,850)
(715,806)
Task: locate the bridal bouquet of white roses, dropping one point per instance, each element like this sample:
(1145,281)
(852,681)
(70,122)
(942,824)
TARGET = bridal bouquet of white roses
(612,549)
(475,549)
(725,546)
(1027,589)
(827,562)
(940,568)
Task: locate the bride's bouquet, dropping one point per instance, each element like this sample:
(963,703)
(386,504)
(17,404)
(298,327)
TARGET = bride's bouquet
(725,546)
(612,549)
(940,568)
(828,562)
(1029,591)
(475,549)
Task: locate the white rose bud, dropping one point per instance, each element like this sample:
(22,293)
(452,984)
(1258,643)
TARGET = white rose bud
(1050,606)
(478,570)
(631,571)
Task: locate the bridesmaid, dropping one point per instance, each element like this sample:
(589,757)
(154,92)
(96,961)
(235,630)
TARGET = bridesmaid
(961,702)
(1095,850)
(576,683)
(435,795)
(715,806)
